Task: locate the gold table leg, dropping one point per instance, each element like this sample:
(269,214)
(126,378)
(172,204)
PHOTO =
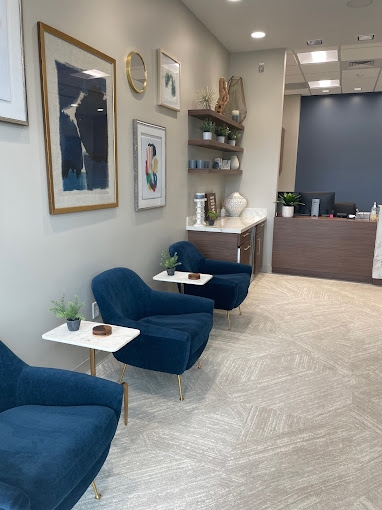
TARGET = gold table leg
(180,388)
(92,362)
(229,320)
(182,288)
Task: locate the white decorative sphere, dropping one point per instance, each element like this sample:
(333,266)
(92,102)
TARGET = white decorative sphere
(235,204)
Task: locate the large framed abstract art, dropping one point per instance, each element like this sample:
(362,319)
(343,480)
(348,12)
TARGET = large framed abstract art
(168,81)
(79,97)
(149,165)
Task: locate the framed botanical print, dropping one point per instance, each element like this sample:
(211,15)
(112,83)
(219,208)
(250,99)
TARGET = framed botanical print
(168,81)
(149,165)
(78,91)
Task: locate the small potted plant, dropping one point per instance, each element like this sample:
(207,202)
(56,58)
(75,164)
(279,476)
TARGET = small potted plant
(212,216)
(208,126)
(169,262)
(288,201)
(232,137)
(69,311)
(221,132)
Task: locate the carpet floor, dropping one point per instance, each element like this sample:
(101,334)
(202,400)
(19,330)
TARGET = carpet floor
(285,414)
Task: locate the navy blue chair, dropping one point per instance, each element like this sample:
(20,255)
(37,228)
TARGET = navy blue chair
(229,285)
(56,428)
(174,328)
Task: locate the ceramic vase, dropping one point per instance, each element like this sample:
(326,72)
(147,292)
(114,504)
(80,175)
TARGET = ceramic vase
(235,204)
(207,135)
(235,163)
(287,211)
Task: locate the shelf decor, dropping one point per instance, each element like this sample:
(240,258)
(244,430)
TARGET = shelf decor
(78,92)
(13,102)
(149,165)
(168,81)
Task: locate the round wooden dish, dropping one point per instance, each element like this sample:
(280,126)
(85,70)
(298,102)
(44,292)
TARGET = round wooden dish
(103,330)
(194,276)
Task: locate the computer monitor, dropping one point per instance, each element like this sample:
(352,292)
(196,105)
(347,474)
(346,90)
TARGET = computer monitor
(326,202)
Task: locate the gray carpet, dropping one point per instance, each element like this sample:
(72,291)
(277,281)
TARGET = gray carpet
(286,412)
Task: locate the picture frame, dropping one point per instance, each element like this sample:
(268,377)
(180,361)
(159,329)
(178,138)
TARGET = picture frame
(210,203)
(78,85)
(13,99)
(149,165)
(168,81)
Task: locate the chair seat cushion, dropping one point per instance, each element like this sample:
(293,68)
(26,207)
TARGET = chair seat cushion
(45,451)
(197,325)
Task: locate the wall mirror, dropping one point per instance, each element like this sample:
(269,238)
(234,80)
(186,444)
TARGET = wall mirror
(136,72)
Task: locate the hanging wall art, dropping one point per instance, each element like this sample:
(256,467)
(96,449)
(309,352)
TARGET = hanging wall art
(168,81)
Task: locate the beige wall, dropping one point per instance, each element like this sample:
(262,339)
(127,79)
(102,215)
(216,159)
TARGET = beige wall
(43,255)
(291,123)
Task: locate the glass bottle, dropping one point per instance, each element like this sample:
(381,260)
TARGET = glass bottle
(373,212)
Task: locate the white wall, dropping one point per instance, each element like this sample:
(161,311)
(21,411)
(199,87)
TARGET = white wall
(291,124)
(264,94)
(43,255)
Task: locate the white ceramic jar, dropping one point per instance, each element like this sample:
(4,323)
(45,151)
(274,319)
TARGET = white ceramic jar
(235,204)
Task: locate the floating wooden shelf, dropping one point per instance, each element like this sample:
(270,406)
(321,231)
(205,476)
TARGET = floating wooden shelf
(214,171)
(217,117)
(218,146)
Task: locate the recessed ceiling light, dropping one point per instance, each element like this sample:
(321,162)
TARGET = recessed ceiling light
(99,109)
(314,42)
(357,89)
(234,0)
(258,35)
(318,57)
(367,37)
(326,90)
(324,84)
(356,4)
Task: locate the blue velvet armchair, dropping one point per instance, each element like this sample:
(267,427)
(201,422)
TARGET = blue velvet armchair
(56,428)
(174,328)
(229,285)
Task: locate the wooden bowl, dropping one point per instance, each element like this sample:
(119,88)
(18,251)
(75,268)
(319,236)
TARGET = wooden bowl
(194,276)
(103,330)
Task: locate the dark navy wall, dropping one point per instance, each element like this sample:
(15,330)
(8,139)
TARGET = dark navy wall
(340,147)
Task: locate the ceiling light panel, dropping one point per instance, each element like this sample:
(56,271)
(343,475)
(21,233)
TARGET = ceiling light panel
(318,57)
(368,37)
(258,35)
(324,84)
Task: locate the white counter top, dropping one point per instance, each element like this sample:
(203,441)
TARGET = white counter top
(248,219)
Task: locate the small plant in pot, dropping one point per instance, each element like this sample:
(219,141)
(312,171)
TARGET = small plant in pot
(221,132)
(233,136)
(169,262)
(212,216)
(69,311)
(288,201)
(208,126)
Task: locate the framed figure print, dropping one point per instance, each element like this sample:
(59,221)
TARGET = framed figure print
(149,165)
(78,91)
(168,81)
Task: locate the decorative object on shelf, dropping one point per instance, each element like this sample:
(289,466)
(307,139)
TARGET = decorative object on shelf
(235,204)
(212,216)
(288,201)
(235,163)
(149,165)
(169,262)
(13,99)
(223,99)
(222,210)
(233,136)
(207,126)
(200,200)
(200,195)
(136,72)
(194,276)
(168,81)
(237,97)
(102,330)
(69,311)
(221,131)
(216,164)
(192,163)
(205,98)
(235,115)
(211,203)
(78,87)
(200,163)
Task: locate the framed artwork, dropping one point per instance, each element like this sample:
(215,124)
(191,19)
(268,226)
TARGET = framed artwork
(149,165)
(169,81)
(13,101)
(78,92)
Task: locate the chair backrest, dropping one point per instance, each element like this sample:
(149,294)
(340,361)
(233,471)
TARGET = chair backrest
(10,368)
(188,255)
(120,292)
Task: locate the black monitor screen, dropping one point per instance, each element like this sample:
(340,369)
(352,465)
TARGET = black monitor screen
(326,202)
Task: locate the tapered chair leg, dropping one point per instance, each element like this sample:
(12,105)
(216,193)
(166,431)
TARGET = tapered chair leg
(125,402)
(240,311)
(229,320)
(96,493)
(180,388)
(123,373)
(199,364)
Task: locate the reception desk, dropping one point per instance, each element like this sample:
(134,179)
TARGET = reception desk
(324,247)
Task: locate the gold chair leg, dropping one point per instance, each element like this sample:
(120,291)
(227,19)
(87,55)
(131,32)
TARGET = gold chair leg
(97,494)
(125,402)
(199,365)
(123,373)
(240,311)
(180,388)
(229,320)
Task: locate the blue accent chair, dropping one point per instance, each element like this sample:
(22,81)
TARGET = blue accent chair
(56,428)
(229,285)
(174,328)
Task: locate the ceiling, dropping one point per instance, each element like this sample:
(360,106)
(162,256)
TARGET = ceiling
(290,24)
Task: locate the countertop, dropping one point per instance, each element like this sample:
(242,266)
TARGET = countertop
(248,219)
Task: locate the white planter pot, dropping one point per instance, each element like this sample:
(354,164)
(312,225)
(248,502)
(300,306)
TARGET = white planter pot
(232,142)
(207,135)
(220,139)
(288,211)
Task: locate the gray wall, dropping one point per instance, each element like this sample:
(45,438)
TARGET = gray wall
(291,124)
(42,255)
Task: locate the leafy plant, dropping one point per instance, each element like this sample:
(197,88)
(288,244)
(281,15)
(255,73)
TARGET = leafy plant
(221,130)
(289,199)
(212,215)
(233,135)
(206,97)
(168,261)
(208,125)
(69,311)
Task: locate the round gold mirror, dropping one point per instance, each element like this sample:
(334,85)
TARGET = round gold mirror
(136,72)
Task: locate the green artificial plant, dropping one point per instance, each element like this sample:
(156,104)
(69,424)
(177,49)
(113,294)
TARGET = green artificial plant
(168,261)
(69,311)
(289,199)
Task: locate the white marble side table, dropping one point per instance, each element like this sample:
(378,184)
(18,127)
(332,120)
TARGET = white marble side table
(182,278)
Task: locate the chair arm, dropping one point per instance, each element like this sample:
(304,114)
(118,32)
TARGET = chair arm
(221,267)
(13,498)
(171,303)
(55,387)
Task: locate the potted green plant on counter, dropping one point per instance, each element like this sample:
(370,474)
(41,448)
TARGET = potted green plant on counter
(221,131)
(212,216)
(232,137)
(289,201)
(207,126)
(69,311)
(169,262)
